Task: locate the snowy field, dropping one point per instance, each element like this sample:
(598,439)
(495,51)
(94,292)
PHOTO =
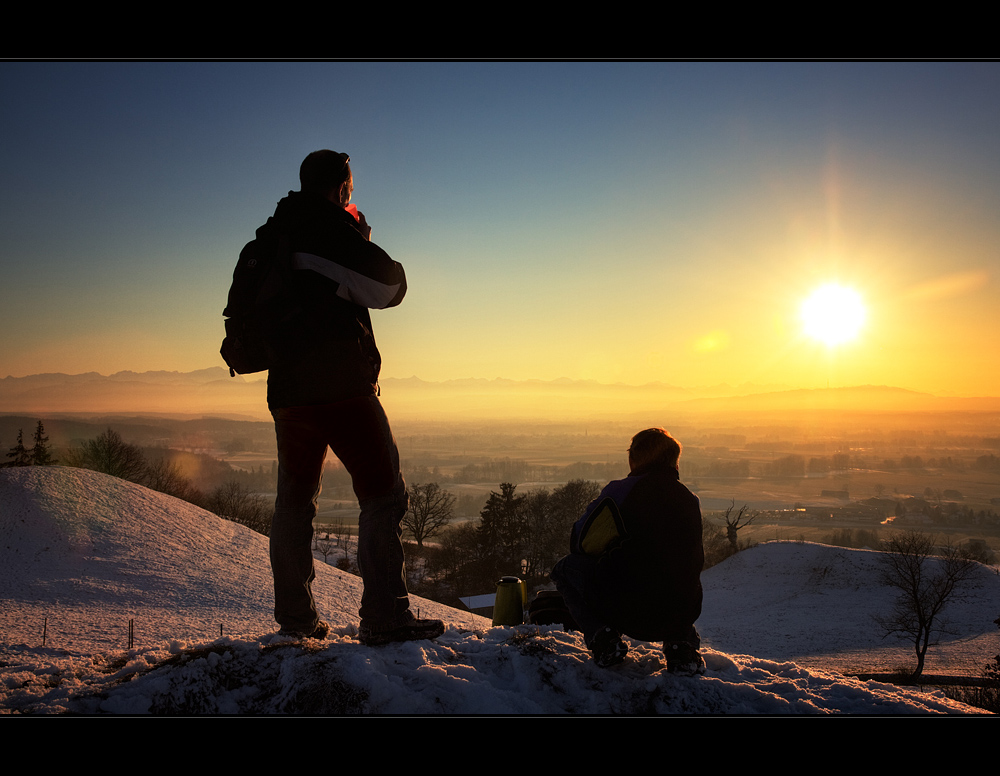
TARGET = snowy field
(85,553)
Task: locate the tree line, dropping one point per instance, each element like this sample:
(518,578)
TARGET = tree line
(518,534)
(521,534)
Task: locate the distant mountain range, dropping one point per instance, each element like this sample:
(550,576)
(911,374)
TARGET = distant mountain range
(205,391)
(213,392)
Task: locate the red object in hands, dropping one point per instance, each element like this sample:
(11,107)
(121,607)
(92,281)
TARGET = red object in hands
(353,210)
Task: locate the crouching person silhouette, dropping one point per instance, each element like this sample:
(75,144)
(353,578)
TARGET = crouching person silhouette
(635,560)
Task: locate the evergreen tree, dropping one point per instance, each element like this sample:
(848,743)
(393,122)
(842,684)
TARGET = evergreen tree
(19,454)
(502,530)
(40,455)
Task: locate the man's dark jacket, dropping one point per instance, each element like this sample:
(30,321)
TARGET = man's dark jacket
(327,351)
(648,584)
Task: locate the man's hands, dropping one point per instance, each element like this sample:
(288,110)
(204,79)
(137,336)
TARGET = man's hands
(365,229)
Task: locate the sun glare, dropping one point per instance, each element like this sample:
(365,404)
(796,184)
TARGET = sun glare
(833,314)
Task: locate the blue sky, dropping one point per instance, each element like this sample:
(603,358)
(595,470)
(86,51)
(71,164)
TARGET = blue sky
(622,222)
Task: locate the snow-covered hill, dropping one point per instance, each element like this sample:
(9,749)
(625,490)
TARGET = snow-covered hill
(814,604)
(86,553)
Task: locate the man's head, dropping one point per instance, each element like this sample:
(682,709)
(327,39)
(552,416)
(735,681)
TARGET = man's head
(328,174)
(654,445)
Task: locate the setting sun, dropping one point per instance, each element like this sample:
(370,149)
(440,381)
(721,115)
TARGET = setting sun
(833,314)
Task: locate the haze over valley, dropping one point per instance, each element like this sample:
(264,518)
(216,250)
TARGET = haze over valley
(771,449)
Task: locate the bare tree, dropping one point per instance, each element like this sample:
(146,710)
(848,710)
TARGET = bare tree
(461,560)
(549,518)
(110,454)
(325,544)
(343,533)
(431,509)
(539,519)
(235,501)
(734,523)
(926,585)
(713,540)
(166,477)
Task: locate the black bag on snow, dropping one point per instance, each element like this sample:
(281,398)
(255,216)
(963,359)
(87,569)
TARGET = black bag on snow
(259,305)
(549,608)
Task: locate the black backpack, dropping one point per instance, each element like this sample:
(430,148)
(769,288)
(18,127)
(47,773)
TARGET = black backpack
(260,303)
(549,608)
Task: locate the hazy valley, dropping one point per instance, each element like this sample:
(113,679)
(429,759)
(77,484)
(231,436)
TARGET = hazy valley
(842,458)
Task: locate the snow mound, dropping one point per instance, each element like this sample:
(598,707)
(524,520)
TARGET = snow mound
(521,670)
(88,552)
(814,604)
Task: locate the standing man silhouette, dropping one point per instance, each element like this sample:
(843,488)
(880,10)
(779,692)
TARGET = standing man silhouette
(322,391)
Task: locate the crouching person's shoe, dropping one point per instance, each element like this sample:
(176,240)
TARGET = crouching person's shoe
(321,631)
(411,629)
(608,648)
(683,659)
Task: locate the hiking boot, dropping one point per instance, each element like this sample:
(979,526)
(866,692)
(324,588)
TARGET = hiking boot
(411,630)
(608,648)
(683,659)
(321,631)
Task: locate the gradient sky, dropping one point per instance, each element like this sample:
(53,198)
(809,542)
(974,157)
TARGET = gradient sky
(622,222)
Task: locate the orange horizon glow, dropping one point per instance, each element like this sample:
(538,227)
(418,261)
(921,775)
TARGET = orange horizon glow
(655,227)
